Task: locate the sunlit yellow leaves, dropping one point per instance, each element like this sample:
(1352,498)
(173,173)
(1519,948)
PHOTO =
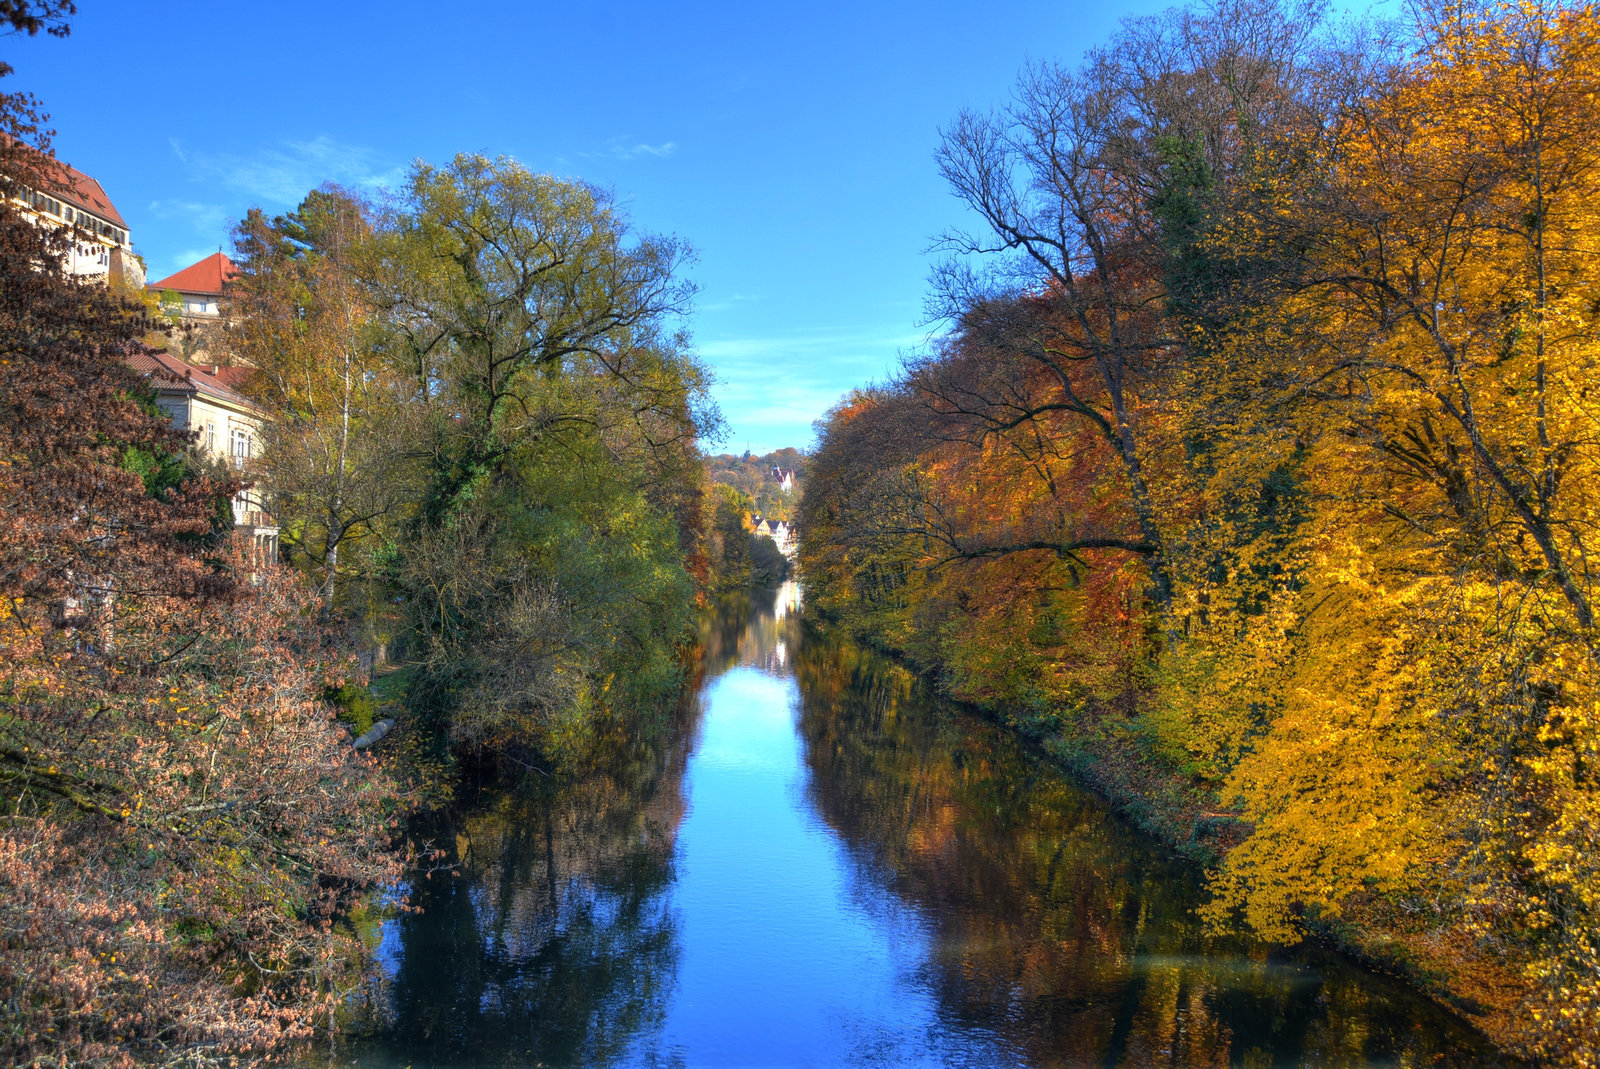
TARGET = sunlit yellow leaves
(1374,471)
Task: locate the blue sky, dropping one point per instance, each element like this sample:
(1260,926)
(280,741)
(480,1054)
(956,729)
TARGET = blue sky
(792,146)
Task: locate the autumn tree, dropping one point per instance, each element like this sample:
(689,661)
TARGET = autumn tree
(1301,325)
(1440,393)
(1035,447)
(31,16)
(181,819)
(332,461)
(184,823)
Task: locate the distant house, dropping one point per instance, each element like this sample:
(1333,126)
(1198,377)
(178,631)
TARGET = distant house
(228,426)
(784,478)
(781,533)
(67,197)
(194,294)
(199,286)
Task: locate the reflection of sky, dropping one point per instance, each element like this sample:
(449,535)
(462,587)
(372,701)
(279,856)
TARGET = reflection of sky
(780,959)
(388,951)
(784,959)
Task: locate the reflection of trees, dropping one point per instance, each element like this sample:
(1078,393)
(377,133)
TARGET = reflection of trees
(755,627)
(557,943)
(720,631)
(1054,927)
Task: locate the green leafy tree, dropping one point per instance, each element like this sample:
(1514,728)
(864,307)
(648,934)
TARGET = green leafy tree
(556,412)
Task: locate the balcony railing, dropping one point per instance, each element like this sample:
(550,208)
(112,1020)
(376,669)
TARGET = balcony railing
(254,518)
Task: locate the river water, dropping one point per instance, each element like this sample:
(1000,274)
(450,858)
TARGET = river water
(816,865)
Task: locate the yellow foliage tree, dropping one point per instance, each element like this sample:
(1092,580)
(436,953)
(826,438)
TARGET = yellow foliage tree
(1433,690)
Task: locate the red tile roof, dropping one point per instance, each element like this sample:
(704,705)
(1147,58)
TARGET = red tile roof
(232,377)
(70,184)
(207,276)
(79,189)
(167,372)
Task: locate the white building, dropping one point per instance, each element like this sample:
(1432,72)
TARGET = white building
(228,426)
(199,287)
(69,198)
(781,533)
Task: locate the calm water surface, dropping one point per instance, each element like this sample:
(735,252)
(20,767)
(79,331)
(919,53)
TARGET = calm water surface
(818,866)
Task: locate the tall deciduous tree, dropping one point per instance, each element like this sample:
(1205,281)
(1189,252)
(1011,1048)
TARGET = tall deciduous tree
(1354,299)
(1067,183)
(559,409)
(333,461)
(1450,255)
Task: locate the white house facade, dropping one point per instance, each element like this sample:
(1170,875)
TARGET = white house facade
(68,198)
(228,428)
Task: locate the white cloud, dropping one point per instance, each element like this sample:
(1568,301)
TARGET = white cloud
(818,344)
(283,174)
(772,387)
(204,226)
(212,217)
(731,302)
(627,148)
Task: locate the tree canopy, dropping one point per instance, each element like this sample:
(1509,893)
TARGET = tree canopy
(486,415)
(1258,451)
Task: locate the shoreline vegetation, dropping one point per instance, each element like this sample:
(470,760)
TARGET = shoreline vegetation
(1256,472)
(1184,817)
(481,426)
(482,418)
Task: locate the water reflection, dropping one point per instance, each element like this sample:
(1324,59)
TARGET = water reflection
(555,941)
(753,630)
(816,866)
(1056,928)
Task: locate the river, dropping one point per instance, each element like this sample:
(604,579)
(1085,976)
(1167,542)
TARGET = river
(817,865)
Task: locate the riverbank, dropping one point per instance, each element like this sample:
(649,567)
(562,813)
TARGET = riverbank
(1424,950)
(1437,958)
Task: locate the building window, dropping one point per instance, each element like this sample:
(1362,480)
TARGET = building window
(241,446)
(211,438)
